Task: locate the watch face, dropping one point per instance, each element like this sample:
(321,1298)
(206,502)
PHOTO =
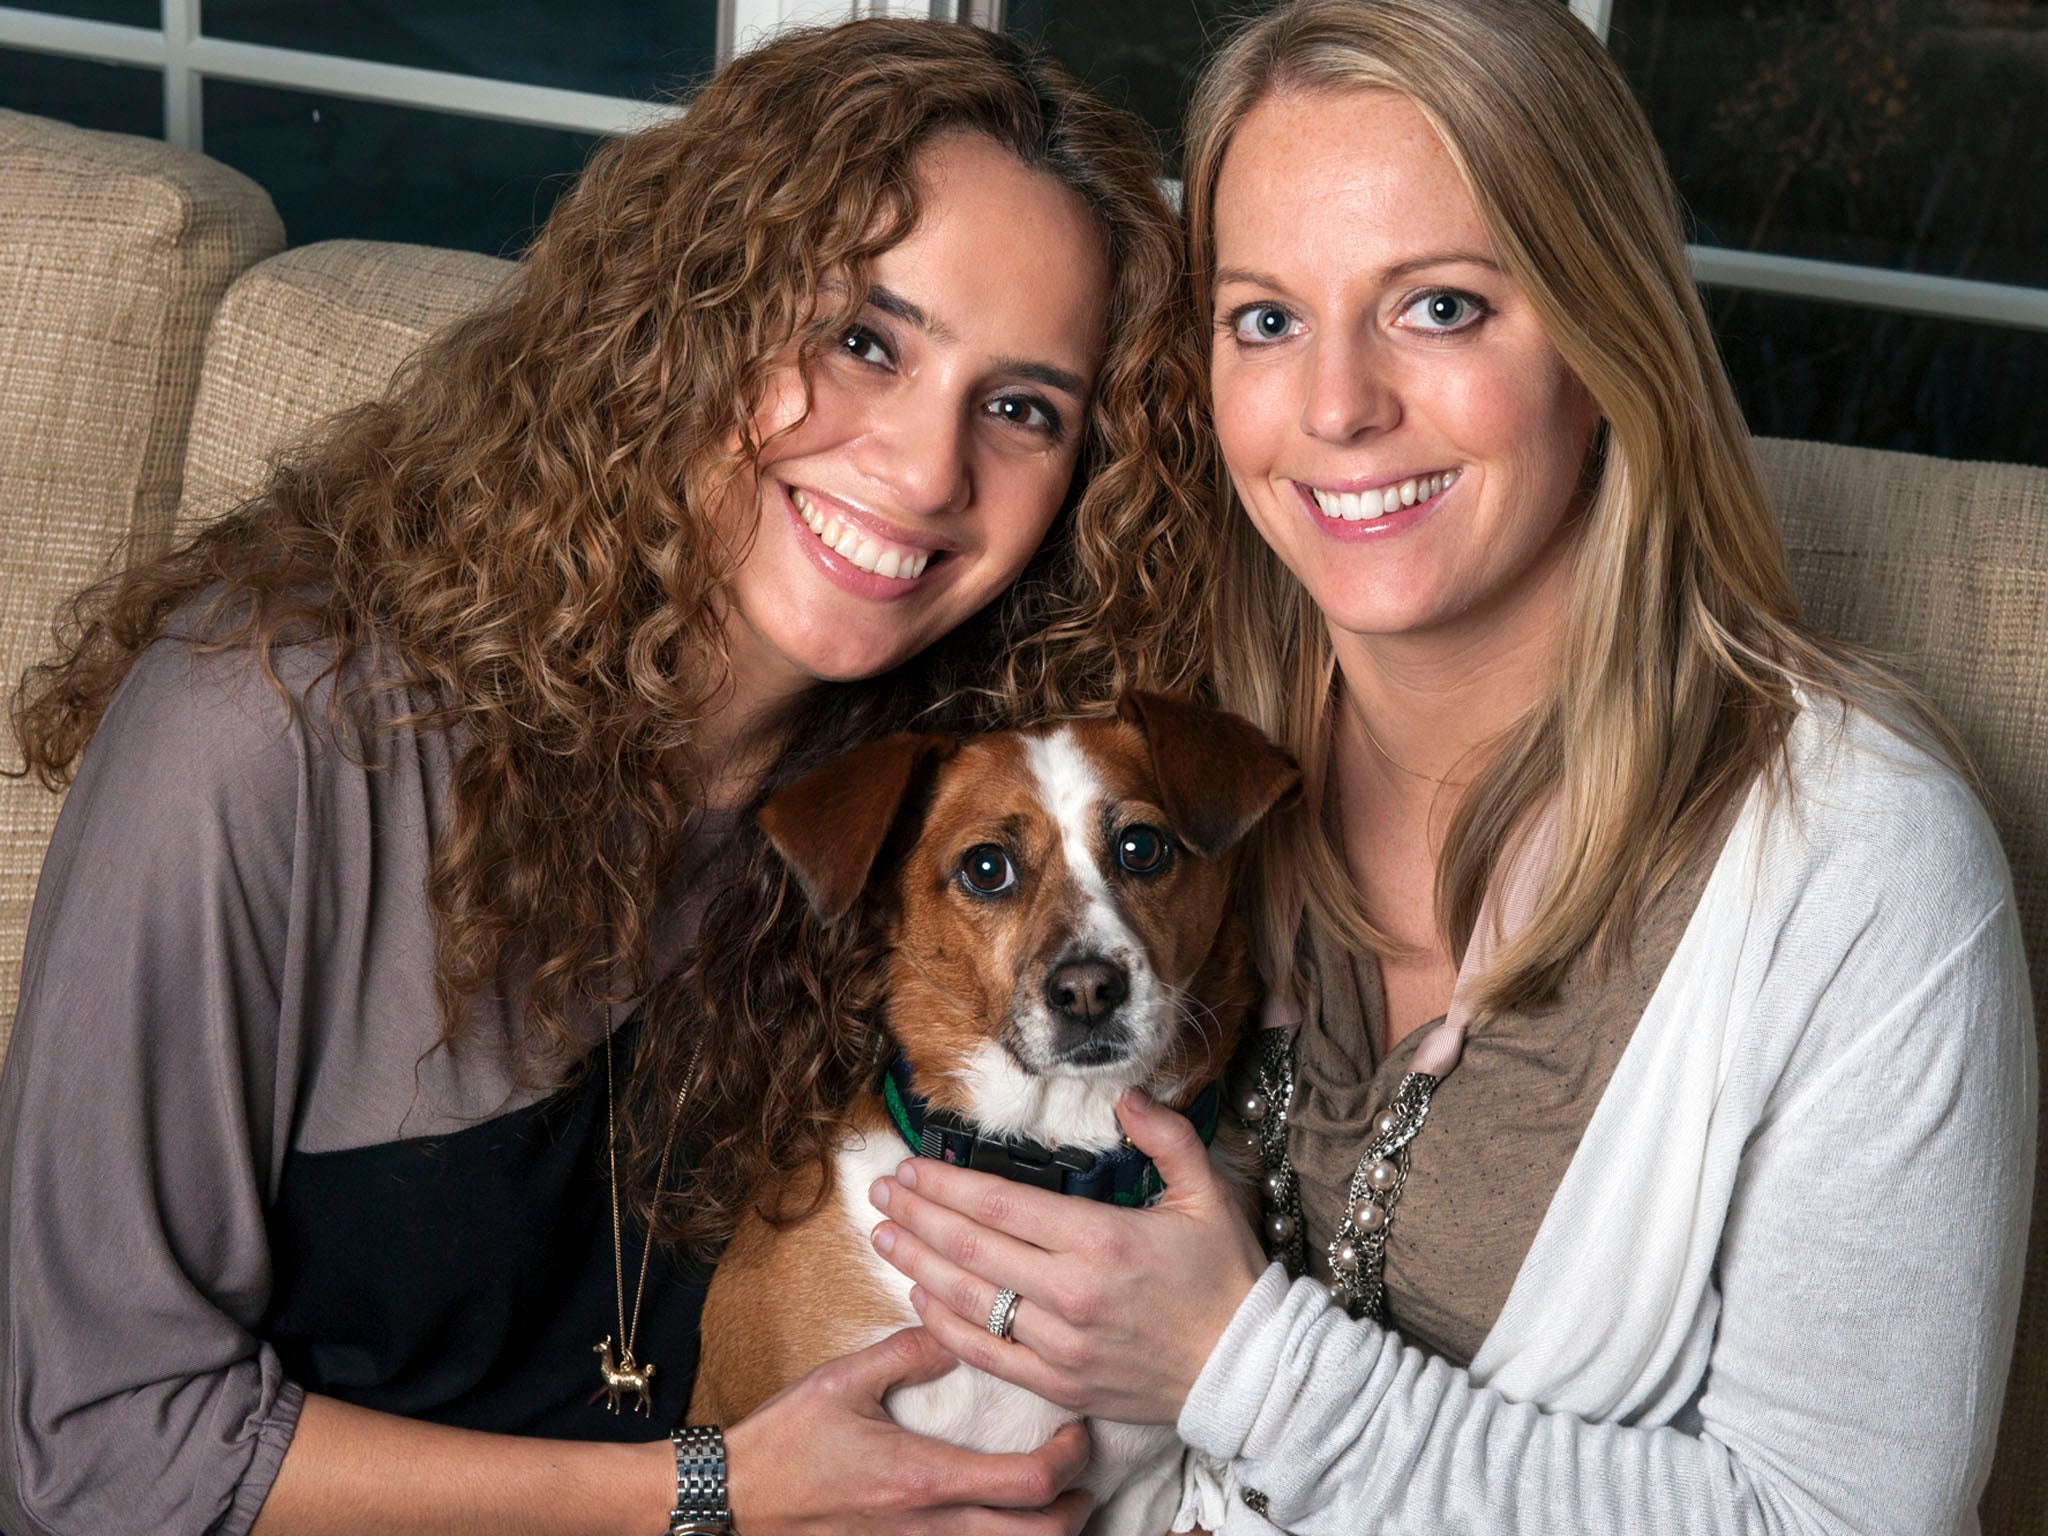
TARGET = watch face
(701,1528)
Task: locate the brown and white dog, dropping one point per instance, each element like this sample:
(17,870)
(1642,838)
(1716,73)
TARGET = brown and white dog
(1059,926)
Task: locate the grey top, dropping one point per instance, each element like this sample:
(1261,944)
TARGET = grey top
(230,959)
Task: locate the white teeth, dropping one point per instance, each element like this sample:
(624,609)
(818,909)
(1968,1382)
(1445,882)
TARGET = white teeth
(1363,506)
(847,541)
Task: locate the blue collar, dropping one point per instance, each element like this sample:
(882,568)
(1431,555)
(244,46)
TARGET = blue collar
(1124,1176)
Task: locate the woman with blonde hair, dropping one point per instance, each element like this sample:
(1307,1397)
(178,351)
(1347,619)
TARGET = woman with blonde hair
(1652,1145)
(391,793)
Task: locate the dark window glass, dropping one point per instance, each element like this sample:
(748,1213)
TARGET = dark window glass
(1893,133)
(614,47)
(1142,54)
(366,171)
(114,97)
(1919,385)
(133,13)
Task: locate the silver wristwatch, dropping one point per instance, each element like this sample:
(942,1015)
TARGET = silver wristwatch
(700,1483)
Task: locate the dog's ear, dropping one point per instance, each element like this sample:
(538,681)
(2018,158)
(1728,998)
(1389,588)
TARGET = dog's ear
(1218,774)
(831,824)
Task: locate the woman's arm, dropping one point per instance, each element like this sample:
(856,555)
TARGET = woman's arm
(140,1119)
(1868,1275)
(823,1457)
(145,1104)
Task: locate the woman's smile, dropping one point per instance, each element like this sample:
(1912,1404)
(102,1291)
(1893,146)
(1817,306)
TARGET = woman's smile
(1375,508)
(854,544)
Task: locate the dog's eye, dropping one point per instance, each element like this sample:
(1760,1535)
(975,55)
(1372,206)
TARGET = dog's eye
(1143,850)
(986,870)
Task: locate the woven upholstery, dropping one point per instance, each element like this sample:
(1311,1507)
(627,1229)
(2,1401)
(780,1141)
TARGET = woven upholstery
(1943,567)
(309,333)
(113,253)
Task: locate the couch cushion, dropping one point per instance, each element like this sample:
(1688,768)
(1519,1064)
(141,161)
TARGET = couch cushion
(309,333)
(1943,567)
(114,252)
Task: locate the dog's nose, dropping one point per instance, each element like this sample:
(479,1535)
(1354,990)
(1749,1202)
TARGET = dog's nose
(1086,991)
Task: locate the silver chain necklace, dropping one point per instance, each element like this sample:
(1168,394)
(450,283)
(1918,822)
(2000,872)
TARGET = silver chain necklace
(1358,1249)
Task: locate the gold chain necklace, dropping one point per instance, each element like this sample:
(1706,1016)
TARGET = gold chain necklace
(626,1374)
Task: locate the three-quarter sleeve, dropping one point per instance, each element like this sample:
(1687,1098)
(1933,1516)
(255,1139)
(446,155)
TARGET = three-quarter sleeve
(145,1108)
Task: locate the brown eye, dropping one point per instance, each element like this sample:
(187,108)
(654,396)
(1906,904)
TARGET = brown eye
(986,870)
(1143,850)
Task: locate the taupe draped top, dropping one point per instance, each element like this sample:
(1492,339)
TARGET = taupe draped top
(1502,1128)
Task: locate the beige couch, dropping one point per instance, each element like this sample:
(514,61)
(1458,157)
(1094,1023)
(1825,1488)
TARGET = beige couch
(154,347)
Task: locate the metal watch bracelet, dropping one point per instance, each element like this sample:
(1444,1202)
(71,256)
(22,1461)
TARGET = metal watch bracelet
(700,1483)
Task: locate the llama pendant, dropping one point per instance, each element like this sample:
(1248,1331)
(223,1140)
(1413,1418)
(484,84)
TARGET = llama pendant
(624,1376)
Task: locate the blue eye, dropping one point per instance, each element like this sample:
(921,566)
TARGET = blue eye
(1261,322)
(986,870)
(1444,310)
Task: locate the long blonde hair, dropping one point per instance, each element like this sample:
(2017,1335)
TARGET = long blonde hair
(1683,646)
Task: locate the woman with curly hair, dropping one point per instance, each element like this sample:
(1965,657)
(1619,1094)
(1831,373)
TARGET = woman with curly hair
(860,395)
(1648,1118)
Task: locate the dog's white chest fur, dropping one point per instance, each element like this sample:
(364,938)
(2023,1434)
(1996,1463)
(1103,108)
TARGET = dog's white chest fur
(1139,1463)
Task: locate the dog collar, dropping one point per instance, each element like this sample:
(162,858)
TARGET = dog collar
(1124,1176)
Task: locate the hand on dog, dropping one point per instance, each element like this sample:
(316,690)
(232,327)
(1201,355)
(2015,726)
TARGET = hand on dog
(824,1456)
(1118,1308)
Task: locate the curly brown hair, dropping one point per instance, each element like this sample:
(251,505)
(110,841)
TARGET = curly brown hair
(518,535)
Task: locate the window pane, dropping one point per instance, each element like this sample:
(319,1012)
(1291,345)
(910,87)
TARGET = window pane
(362,170)
(1919,385)
(134,13)
(114,97)
(1894,133)
(1143,54)
(615,47)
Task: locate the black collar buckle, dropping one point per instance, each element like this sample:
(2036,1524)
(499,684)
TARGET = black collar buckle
(949,1139)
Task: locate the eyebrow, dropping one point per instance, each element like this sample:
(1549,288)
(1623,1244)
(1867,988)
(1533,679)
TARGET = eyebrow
(1051,375)
(890,302)
(1047,374)
(1398,270)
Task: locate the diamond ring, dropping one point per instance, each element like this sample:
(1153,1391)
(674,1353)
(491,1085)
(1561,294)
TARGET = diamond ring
(1003,1313)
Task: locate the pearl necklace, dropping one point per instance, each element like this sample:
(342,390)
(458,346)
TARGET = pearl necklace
(1358,1249)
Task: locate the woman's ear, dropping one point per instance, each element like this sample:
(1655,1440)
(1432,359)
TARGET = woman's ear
(830,825)
(1218,774)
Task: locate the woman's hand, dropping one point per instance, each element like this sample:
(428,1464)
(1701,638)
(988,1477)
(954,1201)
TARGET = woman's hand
(1117,1309)
(824,1456)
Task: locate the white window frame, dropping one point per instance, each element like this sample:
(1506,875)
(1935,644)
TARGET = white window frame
(187,58)
(1799,277)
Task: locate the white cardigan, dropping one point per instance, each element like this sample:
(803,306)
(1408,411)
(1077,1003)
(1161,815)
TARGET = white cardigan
(1776,1289)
